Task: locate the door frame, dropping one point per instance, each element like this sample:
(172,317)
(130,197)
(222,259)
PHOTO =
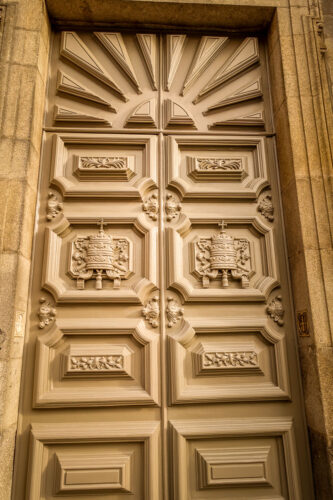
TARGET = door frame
(303,155)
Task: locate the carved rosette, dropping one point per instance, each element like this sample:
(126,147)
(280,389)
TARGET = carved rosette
(54,206)
(275,310)
(174,312)
(46,313)
(222,255)
(151,206)
(266,208)
(100,256)
(151,311)
(172,207)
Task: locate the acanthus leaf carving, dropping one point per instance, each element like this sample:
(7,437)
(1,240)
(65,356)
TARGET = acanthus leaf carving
(98,256)
(151,311)
(172,207)
(54,206)
(46,313)
(215,169)
(222,254)
(174,312)
(151,206)
(110,168)
(111,163)
(275,310)
(266,208)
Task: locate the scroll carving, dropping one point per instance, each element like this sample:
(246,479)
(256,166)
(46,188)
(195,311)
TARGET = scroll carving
(100,256)
(46,313)
(151,206)
(174,312)
(172,207)
(151,311)
(54,206)
(223,255)
(275,310)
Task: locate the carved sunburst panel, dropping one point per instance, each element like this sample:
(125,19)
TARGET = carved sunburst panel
(108,79)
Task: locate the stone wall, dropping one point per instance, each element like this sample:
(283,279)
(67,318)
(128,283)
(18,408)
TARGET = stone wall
(301,73)
(25,36)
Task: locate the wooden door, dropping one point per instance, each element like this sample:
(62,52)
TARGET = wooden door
(161,358)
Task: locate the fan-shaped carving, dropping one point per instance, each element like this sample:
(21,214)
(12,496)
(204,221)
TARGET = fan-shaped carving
(188,63)
(208,49)
(69,115)
(114,44)
(247,92)
(147,44)
(176,115)
(76,51)
(251,120)
(68,85)
(174,52)
(243,58)
(144,114)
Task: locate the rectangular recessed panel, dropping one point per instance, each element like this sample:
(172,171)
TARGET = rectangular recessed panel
(237,471)
(93,477)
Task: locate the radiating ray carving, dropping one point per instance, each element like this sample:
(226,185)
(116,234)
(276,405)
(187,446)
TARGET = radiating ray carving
(148,46)
(243,58)
(256,119)
(176,115)
(247,92)
(76,51)
(114,44)
(208,49)
(144,114)
(68,85)
(62,114)
(174,52)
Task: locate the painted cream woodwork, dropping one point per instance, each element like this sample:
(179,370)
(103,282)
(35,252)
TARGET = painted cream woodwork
(160,362)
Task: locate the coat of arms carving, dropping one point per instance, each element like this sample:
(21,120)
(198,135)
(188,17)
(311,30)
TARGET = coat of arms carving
(222,255)
(99,256)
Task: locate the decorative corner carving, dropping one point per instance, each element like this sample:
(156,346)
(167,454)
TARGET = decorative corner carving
(151,206)
(54,206)
(46,313)
(151,311)
(225,255)
(174,312)
(265,207)
(100,255)
(172,207)
(275,310)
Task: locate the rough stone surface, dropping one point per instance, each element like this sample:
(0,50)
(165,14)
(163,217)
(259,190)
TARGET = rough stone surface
(301,74)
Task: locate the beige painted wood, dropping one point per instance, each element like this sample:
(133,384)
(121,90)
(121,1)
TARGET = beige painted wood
(161,360)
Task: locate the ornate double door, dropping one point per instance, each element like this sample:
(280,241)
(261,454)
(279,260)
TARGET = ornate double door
(161,360)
